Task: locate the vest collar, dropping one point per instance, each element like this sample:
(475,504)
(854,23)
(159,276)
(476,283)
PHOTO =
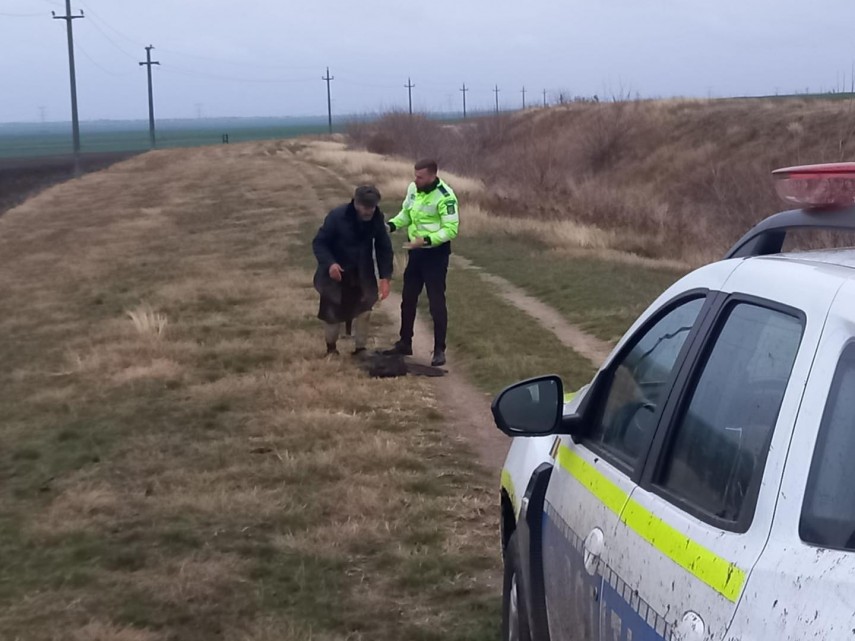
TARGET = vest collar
(430,187)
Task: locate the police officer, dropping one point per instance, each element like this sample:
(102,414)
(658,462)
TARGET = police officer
(430,216)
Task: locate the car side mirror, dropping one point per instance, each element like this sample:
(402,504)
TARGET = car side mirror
(530,408)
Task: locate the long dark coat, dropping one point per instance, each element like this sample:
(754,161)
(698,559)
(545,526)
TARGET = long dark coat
(353,244)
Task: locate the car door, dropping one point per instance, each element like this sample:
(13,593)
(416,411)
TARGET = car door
(698,521)
(593,478)
(803,586)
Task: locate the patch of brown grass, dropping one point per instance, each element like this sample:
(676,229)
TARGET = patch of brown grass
(393,175)
(213,476)
(147,321)
(158,369)
(674,179)
(100,631)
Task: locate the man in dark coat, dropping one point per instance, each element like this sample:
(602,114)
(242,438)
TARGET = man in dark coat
(346,246)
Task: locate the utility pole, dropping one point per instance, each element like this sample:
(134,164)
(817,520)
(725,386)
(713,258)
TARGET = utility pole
(75,123)
(544,97)
(523,94)
(463,91)
(496,91)
(148,63)
(328,78)
(409,87)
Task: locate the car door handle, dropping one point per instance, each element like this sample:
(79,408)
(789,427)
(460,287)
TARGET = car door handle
(691,628)
(593,549)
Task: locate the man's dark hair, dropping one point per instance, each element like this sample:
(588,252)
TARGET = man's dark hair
(428,164)
(367,195)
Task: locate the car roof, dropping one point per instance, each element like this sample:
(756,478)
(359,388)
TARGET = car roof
(838,257)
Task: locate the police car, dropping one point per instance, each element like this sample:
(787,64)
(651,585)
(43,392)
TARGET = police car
(702,486)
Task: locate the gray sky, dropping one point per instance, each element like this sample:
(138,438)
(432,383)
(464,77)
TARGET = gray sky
(266,57)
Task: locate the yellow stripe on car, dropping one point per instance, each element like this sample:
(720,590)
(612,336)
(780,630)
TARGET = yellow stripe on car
(720,574)
(508,486)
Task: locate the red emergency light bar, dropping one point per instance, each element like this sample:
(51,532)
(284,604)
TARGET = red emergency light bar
(817,186)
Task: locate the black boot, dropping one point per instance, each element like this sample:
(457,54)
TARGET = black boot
(438,358)
(402,348)
(332,350)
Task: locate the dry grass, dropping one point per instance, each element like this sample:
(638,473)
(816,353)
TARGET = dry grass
(99,631)
(392,176)
(674,179)
(212,476)
(148,322)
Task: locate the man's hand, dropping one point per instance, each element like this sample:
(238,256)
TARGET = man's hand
(389,229)
(384,288)
(415,243)
(335,272)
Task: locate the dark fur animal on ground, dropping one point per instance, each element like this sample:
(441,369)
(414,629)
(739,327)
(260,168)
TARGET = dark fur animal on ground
(380,365)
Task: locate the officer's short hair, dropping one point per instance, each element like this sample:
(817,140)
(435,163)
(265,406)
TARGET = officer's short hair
(367,195)
(427,163)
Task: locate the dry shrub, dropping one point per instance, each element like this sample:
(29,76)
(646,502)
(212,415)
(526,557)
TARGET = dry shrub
(677,179)
(552,228)
(605,137)
(148,322)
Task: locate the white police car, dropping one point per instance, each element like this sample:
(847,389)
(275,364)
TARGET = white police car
(703,485)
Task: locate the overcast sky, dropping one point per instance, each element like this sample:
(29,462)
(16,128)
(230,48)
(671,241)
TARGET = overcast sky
(266,57)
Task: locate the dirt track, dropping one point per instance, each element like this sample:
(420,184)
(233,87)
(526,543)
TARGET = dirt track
(591,347)
(468,409)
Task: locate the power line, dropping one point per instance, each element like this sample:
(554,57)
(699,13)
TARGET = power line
(206,58)
(98,18)
(367,85)
(94,23)
(22,15)
(211,76)
(237,63)
(96,63)
(356,73)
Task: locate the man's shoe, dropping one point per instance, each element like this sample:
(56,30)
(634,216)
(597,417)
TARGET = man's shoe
(359,351)
(332,350)
(438,358)
(402,348)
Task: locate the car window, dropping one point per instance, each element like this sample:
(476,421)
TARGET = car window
(721,437)
(639,382)
(828,512)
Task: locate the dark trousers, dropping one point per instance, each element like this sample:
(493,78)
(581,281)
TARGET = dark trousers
(425,268)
